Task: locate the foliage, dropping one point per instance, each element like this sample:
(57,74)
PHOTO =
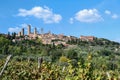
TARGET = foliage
(81,60)
(63,59)
(24,70)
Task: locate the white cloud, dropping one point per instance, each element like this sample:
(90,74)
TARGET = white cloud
(112,15)
(115,16)
(15,29)
(88,15)
(41,13)
(107,12)
(71,20)
(24,25)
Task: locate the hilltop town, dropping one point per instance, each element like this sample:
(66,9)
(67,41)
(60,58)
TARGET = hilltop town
(32,48)
(49,38)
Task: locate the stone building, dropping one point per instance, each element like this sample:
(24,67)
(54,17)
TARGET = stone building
(30,34)
(22,32)
(87,38)
(46,38)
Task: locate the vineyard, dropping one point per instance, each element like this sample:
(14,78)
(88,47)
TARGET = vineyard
(29,70)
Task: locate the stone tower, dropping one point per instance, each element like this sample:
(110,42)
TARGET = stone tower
(22,32)
(29,29)
(19,34)
(35,31)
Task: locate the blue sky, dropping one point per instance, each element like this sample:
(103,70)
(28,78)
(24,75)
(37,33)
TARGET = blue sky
(100,18)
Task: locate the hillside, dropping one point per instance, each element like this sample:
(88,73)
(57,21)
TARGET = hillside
(36,46)
(102,54)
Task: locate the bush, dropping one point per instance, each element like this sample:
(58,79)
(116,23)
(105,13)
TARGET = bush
(63,59)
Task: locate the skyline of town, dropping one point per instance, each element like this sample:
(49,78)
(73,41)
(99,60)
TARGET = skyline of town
(48,38)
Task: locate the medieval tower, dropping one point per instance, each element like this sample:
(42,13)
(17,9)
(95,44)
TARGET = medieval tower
(35,31)
(22,32)
(29,29)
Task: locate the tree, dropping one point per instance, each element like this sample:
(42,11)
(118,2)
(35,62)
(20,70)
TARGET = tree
(105,52)
(55,54)
(71,54)
(13,35)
